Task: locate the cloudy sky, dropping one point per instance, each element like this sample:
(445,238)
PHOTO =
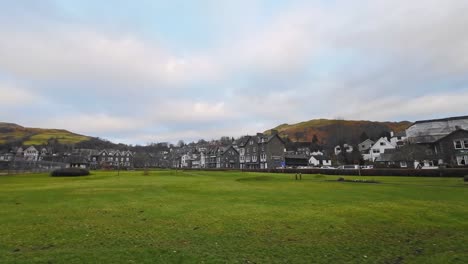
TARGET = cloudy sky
(149,70)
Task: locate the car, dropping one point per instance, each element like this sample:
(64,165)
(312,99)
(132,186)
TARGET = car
(348,167)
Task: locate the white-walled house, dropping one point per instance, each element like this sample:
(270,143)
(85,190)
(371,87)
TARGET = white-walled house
(31,154)
(348,149)
(319,160)
(184,161)
(378,148)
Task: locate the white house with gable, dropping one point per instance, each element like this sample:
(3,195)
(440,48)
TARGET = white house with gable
(378,148)
(31,154)
(319,160)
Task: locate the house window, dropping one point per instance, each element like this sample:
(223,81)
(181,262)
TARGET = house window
(254,149)
(376,151)
(458,144)
(382,143)
(363,146)
(403,164)
(465,142)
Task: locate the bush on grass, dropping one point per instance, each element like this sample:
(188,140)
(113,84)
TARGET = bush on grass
(70,172)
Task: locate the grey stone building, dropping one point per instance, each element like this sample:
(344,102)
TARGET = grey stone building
(262,151)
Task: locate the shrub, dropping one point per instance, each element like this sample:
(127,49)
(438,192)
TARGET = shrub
(341,179)
(70,172)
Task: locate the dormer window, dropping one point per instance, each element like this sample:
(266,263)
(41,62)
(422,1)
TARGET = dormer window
(458,144)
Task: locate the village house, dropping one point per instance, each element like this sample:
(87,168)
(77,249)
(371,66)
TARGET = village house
(263,151)
(365,146)
(398,139)
(379,147)
(76,161)
(7,156)
(428,131)
(293,160)
(452,149)
(211,157)
(227,157)
(319,161)
(346,147)
(31,154)
(114,158)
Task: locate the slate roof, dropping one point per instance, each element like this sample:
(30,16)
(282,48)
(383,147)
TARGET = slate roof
(320,157)
(441,119)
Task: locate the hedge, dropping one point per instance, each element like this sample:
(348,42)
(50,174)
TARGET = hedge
(69,172)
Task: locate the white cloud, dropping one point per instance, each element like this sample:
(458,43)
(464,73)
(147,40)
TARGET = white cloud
(440,105)
(80,53)
(12,95)
(93,124)
(189,111)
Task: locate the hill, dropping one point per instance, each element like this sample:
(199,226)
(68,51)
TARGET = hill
(13,133)
(331,132)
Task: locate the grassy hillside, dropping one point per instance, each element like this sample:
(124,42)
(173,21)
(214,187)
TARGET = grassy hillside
(231,217)
(36,136)
(328,129)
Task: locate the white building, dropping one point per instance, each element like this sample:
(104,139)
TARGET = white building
(378,148)
(31,154)
(348,149)
(319,160)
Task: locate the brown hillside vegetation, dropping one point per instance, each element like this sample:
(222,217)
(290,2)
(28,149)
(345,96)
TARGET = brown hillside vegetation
(330,132)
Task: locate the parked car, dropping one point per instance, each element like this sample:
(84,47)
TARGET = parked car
(305,167)
(348,167)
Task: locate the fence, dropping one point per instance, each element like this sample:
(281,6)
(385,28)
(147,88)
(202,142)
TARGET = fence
(458,172)
(23,166)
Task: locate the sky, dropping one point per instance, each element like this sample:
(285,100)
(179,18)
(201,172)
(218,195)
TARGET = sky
(154,71)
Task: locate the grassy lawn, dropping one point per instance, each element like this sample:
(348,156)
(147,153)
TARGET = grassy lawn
(231,217)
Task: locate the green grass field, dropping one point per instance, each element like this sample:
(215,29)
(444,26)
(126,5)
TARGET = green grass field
(231,217)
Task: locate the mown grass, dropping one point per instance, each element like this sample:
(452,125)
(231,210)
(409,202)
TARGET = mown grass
(231,217)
